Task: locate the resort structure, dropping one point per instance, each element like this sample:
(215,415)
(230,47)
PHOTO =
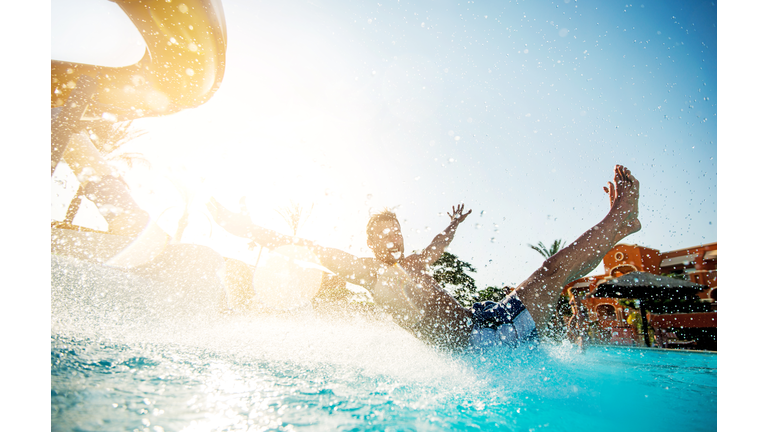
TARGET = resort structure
(616,321)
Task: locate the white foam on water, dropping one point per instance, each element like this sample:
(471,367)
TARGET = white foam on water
(98,302)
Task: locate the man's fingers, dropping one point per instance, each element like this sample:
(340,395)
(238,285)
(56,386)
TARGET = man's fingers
(458,212)
(625,174)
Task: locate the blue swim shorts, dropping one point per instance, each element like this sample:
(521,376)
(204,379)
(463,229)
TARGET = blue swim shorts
(504,323)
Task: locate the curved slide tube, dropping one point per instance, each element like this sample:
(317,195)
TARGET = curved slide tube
(182,67)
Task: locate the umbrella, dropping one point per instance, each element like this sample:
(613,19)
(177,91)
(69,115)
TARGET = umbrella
(645,286)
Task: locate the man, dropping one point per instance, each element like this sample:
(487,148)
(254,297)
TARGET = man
(403,287)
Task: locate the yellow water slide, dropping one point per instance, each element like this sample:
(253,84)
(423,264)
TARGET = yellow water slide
(182,68)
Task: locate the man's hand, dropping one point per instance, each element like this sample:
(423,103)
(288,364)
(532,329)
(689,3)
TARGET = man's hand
(435,250)
(236,223)
(458,213)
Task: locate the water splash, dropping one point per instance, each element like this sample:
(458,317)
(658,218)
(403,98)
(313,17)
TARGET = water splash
(129,351)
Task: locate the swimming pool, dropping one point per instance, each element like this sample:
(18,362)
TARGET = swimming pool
(120,361)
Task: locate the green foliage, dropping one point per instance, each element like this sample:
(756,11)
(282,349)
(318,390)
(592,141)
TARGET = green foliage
(548,252)
(680,276)
(491,293)
(627,303)
(451,273)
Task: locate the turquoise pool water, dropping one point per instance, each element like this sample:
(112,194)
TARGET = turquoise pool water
(121,362)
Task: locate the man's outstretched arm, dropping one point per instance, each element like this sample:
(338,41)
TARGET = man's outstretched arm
(348,266)
(240,225)
(435,250)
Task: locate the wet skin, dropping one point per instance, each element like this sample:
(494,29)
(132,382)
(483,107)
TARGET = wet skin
(443,322)
(438,319)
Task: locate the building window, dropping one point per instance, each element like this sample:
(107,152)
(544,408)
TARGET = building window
(622,269)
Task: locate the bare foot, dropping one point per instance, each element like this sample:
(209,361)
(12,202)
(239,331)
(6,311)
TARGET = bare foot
(624,195)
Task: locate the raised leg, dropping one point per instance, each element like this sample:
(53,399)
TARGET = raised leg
(539,293)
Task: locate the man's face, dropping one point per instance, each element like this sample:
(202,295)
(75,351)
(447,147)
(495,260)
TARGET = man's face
(386,241)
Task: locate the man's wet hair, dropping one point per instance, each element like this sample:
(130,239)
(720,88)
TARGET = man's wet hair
(384,215)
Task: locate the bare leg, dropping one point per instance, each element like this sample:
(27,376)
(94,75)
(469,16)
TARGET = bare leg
(540,291)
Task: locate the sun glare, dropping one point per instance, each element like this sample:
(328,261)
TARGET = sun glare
(287,148)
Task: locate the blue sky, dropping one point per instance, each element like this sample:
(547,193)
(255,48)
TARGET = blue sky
(517,109)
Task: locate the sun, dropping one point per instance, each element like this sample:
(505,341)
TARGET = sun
(205,152)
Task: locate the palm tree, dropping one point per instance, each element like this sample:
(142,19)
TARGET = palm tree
(540,248)
(293,215)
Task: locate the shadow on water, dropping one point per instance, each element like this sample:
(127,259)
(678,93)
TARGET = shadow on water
(123,357)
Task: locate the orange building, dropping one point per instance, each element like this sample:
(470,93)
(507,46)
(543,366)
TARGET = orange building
(698,264)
